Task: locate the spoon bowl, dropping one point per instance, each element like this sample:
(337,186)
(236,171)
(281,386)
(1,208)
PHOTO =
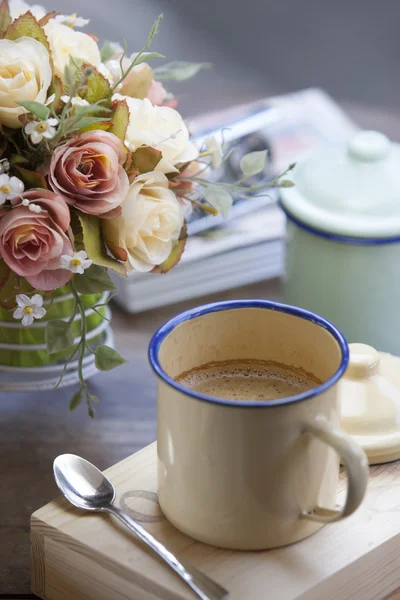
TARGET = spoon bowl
(83,484)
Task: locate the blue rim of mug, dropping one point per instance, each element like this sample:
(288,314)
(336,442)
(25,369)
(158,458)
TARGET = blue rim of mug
(200,311)
(337,237)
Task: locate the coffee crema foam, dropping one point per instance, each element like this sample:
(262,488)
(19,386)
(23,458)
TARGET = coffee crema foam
(248,380)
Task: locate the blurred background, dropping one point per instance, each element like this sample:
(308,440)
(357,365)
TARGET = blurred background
(264,47)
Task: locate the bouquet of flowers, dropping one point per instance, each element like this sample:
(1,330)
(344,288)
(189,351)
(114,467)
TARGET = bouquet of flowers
(97,172)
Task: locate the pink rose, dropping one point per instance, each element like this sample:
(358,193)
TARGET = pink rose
(31,242)
(88,172)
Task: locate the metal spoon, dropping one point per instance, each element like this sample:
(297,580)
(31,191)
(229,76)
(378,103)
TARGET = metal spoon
(85,486)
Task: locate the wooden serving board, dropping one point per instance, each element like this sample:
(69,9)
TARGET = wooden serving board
(85,556)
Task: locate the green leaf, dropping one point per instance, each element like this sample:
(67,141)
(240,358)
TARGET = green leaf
(88,236)
(219,198)
(106,51)
(94,281)
(85,122)
(95,87)
(59,336)
(146,159)
(69,73)
(253,163)
(90,411)
(75,400)
(32,179)
(153,31)
(120,119)
(5,17)
(178,70)
(36,108)
(91,109)
(94,398)
(17,159)
(27,25)
(57,89)
(107,358)
(145,56)
(286,183)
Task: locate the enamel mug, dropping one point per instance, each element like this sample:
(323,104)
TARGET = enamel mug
(252,475)
(343,238)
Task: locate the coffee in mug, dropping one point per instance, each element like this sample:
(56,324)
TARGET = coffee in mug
(250,380)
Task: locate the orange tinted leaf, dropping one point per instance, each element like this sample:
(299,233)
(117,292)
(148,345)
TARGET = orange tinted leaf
(44,20)
(120,119)
(32,179)
(5,17)
(145,159)
(176,254)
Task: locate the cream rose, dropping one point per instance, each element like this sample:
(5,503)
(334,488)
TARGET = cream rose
(160,127)
(150,223)
(65,42)
(25,74)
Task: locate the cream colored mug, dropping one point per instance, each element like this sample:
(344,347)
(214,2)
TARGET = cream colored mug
(252,475)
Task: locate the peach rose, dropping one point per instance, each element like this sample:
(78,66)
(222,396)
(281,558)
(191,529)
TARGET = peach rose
(33,238)
(88,172)
(158,95)
(139,82)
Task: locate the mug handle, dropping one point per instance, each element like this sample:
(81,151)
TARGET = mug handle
(356,463)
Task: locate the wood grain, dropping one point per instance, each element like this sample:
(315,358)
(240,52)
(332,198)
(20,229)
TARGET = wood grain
(91,557)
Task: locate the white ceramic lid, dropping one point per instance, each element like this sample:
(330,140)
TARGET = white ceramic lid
(350,190)
(369,395)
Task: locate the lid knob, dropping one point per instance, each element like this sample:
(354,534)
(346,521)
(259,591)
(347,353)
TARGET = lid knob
(364,361)
(369,146)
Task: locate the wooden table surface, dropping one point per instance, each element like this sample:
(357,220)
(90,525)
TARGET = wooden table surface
(35,428)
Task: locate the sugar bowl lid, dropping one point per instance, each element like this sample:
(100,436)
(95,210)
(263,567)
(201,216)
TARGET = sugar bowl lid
(369,395)
(350,189)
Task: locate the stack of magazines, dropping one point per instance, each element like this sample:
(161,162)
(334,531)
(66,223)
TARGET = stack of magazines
(248,247)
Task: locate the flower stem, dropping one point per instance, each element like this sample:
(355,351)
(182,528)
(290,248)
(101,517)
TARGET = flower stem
(82,348)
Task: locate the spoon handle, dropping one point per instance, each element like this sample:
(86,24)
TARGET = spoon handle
(205,588)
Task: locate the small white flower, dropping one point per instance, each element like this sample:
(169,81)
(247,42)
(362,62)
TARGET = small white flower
(76,101)
(71,20)
(29,308)
(37,130)
(4,166)
(10,187)
(77,263)
(214,151)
